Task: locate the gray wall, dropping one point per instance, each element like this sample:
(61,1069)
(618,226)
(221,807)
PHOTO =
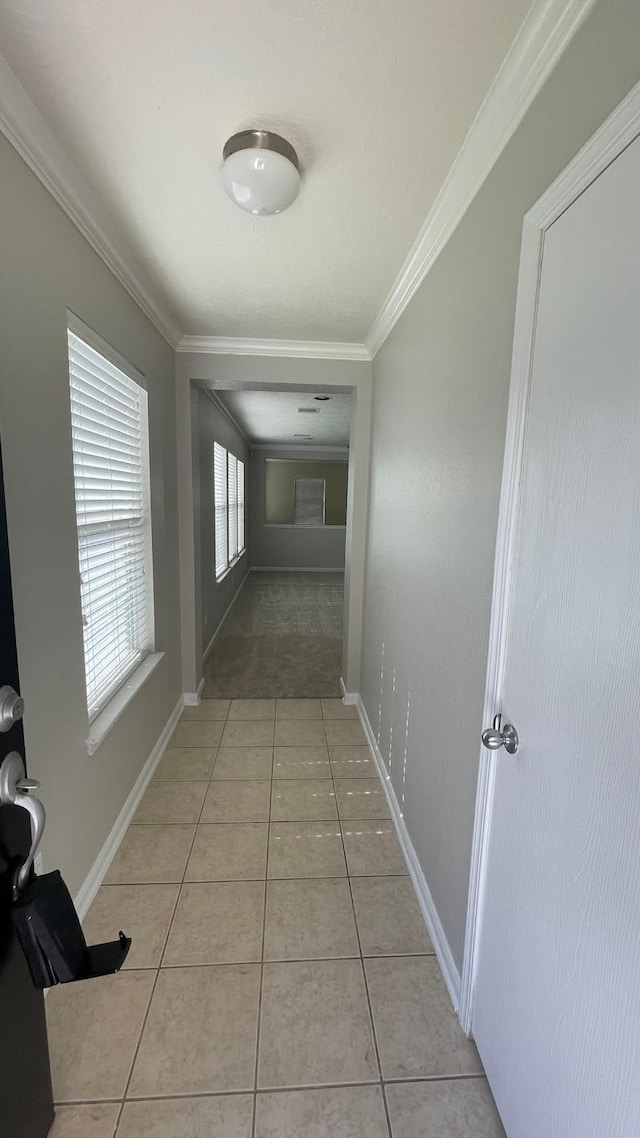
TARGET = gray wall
(292,547)
(48,266)
(440,401)
(212,597)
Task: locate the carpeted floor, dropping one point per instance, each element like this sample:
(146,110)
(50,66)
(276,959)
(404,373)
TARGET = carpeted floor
(283,637)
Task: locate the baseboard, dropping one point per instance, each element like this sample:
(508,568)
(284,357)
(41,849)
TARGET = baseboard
(192,698)
(349,698)
(96,874)
(430,916)
(207,651)
(296,569)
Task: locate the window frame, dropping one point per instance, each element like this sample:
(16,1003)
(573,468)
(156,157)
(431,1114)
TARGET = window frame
(106,709)
(233,500)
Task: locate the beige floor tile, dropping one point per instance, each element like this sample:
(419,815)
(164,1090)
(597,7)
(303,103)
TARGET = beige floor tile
(93,1031)
(352,762)
(225,1116)
(246,801)
(311,919)
(243,762)
(248,734)
(389,917)
(252,709)
(171,802)
(293,800)
(217,923)
(91,1121)
(298,709)
(185,764)
(207,734)
(144,912)
(151,853)
(361,798)
(416,1027)
(372,848)
(301,762)
(338,1112)
(305,849)
(207,710)
(229,852)
(300,733)
(200,1033)
(457,1108)
(336,709)
(344,733)
(315,1025)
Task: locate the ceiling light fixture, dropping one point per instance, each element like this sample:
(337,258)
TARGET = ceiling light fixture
(260,171)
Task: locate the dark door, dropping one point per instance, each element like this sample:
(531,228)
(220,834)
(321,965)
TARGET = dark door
(26,1103)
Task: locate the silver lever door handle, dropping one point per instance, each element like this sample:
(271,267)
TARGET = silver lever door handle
(15,791)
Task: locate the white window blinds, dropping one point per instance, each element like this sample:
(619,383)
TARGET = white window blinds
(232,505)
(240,481)
(111,480)
(228,499)
(309,502)
(220,507)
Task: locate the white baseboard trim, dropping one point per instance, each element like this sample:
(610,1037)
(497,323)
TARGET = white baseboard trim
(193,698)
(349,698)
(295,569)
(96,874)
(207,651)
(430,916)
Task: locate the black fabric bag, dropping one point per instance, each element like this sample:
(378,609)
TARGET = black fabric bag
(52,939)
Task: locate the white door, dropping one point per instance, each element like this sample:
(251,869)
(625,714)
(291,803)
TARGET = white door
(556,1012)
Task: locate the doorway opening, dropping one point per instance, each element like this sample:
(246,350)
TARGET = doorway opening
(271,555)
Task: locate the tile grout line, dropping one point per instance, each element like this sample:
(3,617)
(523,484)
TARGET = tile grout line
(264,933)
(157,977)
(396,1081)
(363,971)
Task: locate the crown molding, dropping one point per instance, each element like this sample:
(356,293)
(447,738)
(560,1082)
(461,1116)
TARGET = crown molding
(294,349)
(36,144)
(295,448)
(544,36)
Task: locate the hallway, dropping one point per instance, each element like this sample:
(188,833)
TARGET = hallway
(281,981)
(282,638)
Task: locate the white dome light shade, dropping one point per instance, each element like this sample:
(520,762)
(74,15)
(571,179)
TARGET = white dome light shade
(260,171)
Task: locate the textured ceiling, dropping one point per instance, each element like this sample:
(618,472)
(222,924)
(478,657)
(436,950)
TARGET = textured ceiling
(376,95)
(274,417)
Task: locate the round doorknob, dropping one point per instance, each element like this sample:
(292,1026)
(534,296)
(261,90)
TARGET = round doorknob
(494,738)
(11,707)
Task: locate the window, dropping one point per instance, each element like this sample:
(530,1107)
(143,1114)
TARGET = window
(305,492)
(111,479)
(308,504)
(228,497)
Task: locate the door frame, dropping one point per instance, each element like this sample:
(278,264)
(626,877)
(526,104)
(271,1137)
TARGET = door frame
(614,136)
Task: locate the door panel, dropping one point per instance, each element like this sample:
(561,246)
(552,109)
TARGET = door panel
(557,1000)
(26,1106)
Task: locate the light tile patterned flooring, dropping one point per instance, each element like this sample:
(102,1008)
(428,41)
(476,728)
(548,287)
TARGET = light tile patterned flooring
(281,983)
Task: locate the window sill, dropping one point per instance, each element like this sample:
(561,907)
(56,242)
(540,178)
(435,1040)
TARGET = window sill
(119,703)
(231,566)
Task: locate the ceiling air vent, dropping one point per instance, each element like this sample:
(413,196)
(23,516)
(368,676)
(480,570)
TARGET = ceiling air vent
(308,410)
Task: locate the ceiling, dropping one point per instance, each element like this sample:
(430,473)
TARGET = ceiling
(376,96)
(274,416)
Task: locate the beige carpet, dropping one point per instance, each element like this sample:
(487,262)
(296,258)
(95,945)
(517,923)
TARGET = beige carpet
(282,637)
